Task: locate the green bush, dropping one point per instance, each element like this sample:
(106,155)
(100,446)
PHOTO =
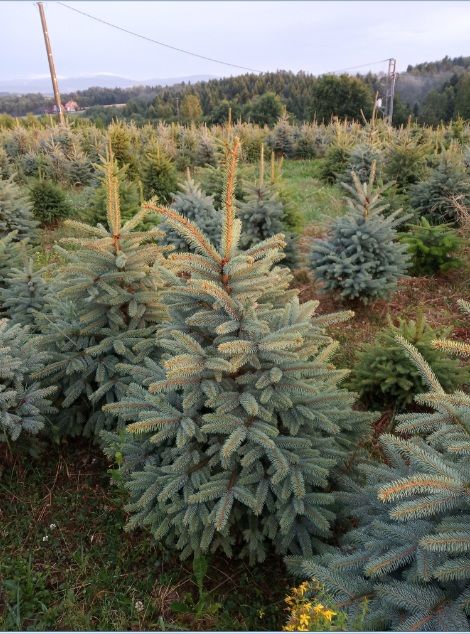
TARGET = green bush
(432,248)
(49,202)
(385,377)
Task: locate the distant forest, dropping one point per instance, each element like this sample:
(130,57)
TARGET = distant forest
(431,92)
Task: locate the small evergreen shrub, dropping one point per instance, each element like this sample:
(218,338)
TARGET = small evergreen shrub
(385,377)
(361,257)
(159,177)
(438,196)
(432,248)
(24,404)
(408,554)
(50,203)
(15,212)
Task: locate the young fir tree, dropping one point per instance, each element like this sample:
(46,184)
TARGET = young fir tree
(129,202)
(49,201)
(438,196)
(409,556)
(159,177)
(191,203)
(24,295)
(113,286)
(15,212)
(24,404)
(263,215)
(233,436)
(362,258)
(362,159)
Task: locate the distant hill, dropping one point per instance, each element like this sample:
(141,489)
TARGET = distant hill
(71,84)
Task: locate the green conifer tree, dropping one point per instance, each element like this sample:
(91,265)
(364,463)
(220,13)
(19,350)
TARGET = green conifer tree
(362,258)
(191,203)
(233,436)
(24,295)
(438,197)
(113,286)
(409,557)
(49,201)
(128,198)
(24,404)
(362,159)
(15,212)
(10,254)
(263,215)
(159,177)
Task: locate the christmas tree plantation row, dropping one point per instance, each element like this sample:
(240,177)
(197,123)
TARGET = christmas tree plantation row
(202,375)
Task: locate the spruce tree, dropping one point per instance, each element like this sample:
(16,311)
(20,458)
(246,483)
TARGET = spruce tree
(10,254)
(281,140)
(234,434)
(409,556)
(362,159)
(128,197)
(113,288)
(191,203)
(438,197)
(263,215)
(49,201)
(361,258)
(159,177)
(24,295)
(15,212)
(24,404)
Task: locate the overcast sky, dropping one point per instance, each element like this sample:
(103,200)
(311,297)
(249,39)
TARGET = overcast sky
(317,37)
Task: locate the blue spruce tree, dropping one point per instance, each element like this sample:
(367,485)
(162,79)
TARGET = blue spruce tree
(24,404)
(361,258)
(104,303)
(409,555)
(233,435)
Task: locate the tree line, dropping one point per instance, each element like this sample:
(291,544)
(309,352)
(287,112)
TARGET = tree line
(430,92)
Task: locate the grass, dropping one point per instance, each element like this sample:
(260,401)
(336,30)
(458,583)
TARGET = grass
(67,564)
(313,200)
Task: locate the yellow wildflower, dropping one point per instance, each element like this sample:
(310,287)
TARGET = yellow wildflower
(328,614)
(304,619)
(319,607)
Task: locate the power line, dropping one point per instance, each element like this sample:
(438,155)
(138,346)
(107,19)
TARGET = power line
(149,39)
(342,70)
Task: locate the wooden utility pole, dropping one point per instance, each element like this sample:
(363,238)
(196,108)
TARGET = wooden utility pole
(50,59)
(390,94)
